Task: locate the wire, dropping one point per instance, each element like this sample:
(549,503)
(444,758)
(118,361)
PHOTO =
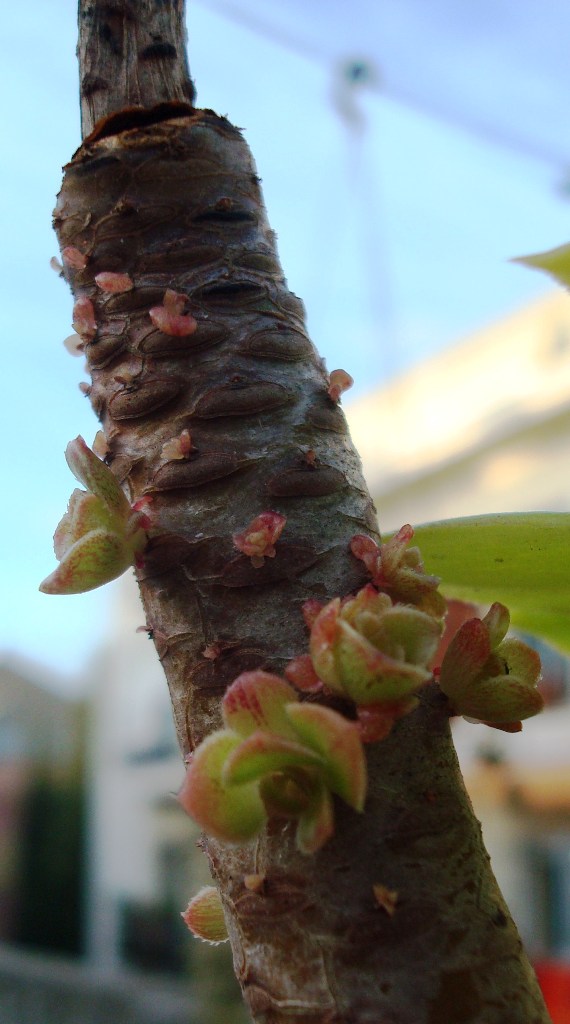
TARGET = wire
(478,127)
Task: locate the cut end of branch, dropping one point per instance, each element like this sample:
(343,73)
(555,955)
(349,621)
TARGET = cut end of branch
(137,117)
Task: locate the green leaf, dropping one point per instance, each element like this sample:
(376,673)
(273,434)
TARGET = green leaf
(501,699)
(337,742)
(555,262)
(233,815)
(85,513)
(316,825)
(256,701)
(94,559)
(96,477)
(369,676)
(521,559)
(204,916)
(289,794)
(264,752)
(465,659)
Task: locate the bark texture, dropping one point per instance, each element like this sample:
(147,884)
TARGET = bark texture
(173,200)
(131,53)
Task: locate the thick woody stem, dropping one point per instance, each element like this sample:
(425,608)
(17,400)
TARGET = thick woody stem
(217,407)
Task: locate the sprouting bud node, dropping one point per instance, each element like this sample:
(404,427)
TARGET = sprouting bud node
(100,445)
(374,653)
(178,447)
(339,381)
(398,570)
(274,758)
(56,265)
(113,283)
(169,317)
(368,552)
(73,258)
(375,721)
(490,677)
(100,535)
(84,322)
(204,916)
(259,538)
(143,508)
(311,608)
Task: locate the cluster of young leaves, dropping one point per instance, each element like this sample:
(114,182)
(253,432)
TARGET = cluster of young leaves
(275,758)
(101,535)
(279,758)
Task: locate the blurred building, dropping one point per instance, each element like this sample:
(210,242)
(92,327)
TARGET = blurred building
(483,426)
(41,793)
(141,843)
(143,861)
(97,860)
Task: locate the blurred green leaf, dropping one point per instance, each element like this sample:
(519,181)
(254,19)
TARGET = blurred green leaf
(521,559)
(555,262)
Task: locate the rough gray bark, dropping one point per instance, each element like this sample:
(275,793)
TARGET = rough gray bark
(131,53)
(172,198)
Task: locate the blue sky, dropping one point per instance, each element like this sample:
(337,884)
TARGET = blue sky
(396,236)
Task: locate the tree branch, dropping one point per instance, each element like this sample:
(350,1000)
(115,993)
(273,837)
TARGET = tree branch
(172,199)
(131,53)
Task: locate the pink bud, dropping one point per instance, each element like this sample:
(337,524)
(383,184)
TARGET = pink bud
(399,571)
(311,609)
(178,447)
(84,318)
(114,283)
(259,538)
(339,381)
(375,721)
(100,445)
(367,551)
(143,511)
(301,673)
(73,258)
(74,344)
(169,318)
